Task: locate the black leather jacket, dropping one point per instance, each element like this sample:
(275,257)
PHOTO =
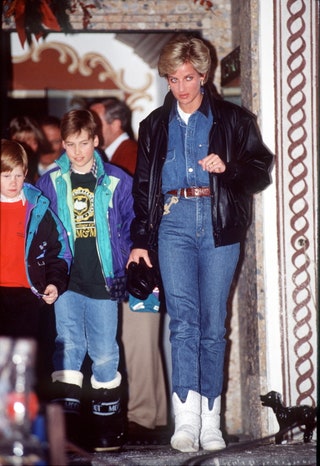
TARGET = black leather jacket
(236,138)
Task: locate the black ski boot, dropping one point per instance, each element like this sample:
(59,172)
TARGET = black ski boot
(68,396)
(107,420)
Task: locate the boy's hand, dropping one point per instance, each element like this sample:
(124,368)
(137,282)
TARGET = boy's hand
(50,294)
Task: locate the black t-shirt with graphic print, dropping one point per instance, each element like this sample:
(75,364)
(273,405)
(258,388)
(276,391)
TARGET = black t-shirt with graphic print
(86,275)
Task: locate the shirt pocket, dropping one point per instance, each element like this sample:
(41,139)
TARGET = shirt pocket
(170,178)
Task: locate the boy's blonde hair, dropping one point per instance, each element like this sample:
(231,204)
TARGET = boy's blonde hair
(13,155)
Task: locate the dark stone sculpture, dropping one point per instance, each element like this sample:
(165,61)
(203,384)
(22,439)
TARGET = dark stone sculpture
(290,417)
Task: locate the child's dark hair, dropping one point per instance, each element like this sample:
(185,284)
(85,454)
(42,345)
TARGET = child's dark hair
(13,155)
(75,121)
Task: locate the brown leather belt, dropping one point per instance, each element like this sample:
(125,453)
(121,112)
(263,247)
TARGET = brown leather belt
(191,192)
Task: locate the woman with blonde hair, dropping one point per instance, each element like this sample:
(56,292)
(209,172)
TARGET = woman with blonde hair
(200,160)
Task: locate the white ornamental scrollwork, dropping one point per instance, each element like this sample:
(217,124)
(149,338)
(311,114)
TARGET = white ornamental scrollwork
(84,65)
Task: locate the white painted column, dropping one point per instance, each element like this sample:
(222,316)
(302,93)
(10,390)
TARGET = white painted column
(288,52)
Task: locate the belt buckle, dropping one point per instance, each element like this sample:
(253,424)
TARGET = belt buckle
(185,192)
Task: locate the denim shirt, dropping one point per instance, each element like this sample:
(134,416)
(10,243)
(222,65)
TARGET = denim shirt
(187,144)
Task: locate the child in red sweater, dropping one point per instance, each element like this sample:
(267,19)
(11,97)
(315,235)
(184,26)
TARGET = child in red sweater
(34,256)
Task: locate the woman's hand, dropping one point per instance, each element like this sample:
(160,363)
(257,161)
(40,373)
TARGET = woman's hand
(212,164)
(135,255)
(50,294)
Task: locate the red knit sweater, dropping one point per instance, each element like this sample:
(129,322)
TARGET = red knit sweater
(12,241)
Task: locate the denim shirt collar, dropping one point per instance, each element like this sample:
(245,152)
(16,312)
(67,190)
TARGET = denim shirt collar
(204,107)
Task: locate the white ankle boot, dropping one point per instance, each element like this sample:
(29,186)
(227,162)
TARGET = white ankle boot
(187,422)
(211,435)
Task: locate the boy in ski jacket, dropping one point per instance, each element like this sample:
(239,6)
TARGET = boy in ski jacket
(35,257)
(94,202)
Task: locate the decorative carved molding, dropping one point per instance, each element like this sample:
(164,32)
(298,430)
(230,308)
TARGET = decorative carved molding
(84,65)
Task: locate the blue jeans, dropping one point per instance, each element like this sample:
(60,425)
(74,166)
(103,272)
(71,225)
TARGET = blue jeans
(86,325)
(197,277)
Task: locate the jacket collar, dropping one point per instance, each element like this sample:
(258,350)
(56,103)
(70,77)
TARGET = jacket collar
(64,163)
(32,194)
(170,109)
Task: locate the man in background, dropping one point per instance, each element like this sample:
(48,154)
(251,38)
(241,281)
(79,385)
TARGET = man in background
(117,139)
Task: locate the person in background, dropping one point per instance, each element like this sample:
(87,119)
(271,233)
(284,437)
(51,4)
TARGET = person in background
(117,138)
(27,130)
(93,199)
(200,160)
(51,127)
(34,261)
(147,400)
